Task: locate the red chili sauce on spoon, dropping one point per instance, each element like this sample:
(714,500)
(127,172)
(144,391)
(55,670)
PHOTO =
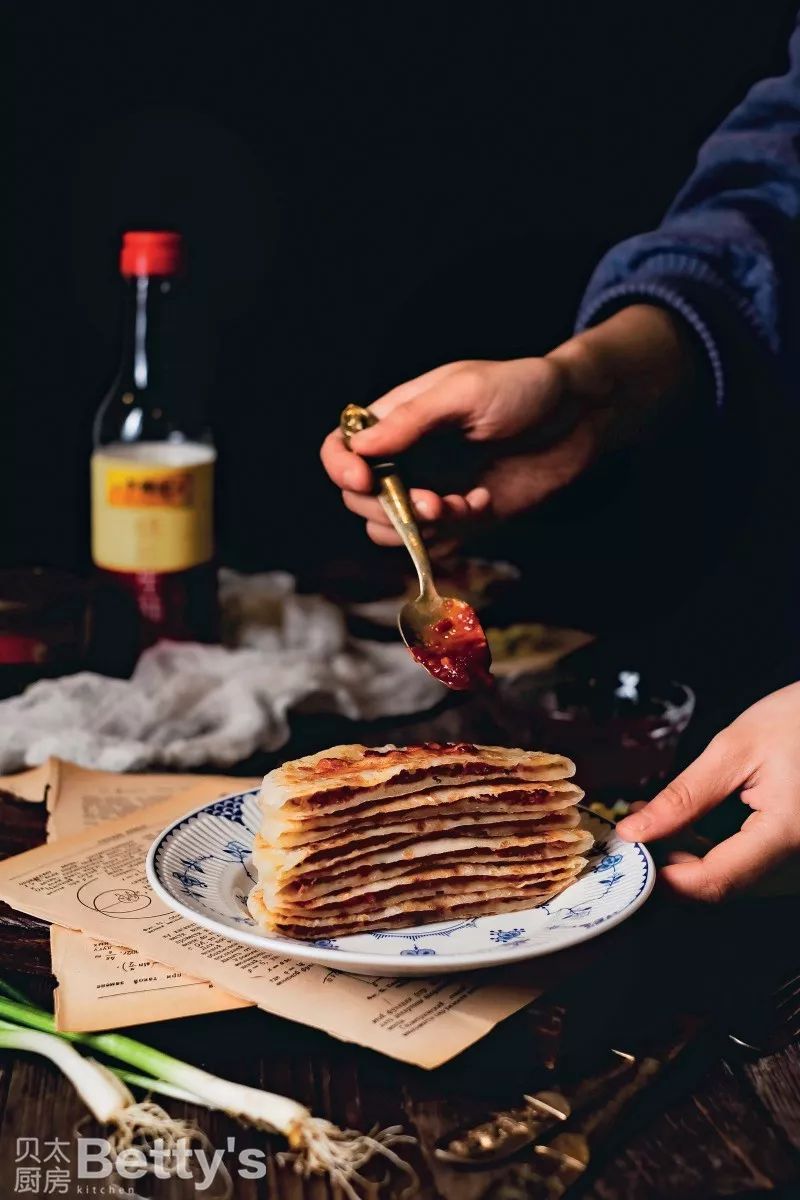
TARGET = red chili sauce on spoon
(454,649)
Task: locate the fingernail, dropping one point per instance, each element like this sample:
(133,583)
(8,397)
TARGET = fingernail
(423,507)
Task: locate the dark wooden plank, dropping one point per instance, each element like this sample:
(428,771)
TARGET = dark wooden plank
(24,941)
(776,1080)
(714,1143)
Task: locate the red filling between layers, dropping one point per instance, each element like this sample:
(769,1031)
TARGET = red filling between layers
(555,849)
(442,771)
(414,748)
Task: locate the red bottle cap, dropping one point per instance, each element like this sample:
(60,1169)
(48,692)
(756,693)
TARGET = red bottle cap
(150,253)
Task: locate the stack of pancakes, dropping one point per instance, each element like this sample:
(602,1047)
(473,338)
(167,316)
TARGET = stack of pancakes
(355,839)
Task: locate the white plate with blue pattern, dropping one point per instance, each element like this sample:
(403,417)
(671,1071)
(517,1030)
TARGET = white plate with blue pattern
(201,867)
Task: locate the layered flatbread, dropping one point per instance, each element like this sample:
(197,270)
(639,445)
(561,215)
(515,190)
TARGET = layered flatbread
(355,839)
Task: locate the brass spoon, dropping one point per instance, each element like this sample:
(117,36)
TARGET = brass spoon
(418,618)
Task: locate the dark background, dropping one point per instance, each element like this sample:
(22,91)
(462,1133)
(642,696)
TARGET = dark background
(366,190)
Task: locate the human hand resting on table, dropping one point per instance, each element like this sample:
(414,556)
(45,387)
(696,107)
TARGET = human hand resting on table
(539,421)
(759,753)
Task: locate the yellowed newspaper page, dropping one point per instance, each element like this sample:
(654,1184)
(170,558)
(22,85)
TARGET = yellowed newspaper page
(102,985)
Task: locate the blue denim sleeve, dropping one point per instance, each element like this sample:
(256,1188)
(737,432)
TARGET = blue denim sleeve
(727,254)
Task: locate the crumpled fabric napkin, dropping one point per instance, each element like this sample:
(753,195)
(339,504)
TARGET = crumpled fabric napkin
(187,705)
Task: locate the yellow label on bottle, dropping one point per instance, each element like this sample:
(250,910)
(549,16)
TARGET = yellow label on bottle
(150,516)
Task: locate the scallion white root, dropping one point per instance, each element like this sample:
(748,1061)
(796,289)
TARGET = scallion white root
(316,1146)
(104,1093)
(319,1147)
(101,1091)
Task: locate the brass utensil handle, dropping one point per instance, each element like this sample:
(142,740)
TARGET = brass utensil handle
(394,498)
(395,502)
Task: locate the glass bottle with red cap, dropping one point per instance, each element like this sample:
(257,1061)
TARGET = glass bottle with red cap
(153,464)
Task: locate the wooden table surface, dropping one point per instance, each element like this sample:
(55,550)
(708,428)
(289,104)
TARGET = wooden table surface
(718,1121)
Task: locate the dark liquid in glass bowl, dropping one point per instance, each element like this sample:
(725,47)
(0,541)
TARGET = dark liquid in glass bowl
(621,729)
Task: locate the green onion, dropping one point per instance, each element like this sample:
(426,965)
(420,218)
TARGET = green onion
(263,1109)
(103,1093)
(13,993)
(316,1146)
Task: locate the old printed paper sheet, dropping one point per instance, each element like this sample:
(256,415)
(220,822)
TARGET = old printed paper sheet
(101,985)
